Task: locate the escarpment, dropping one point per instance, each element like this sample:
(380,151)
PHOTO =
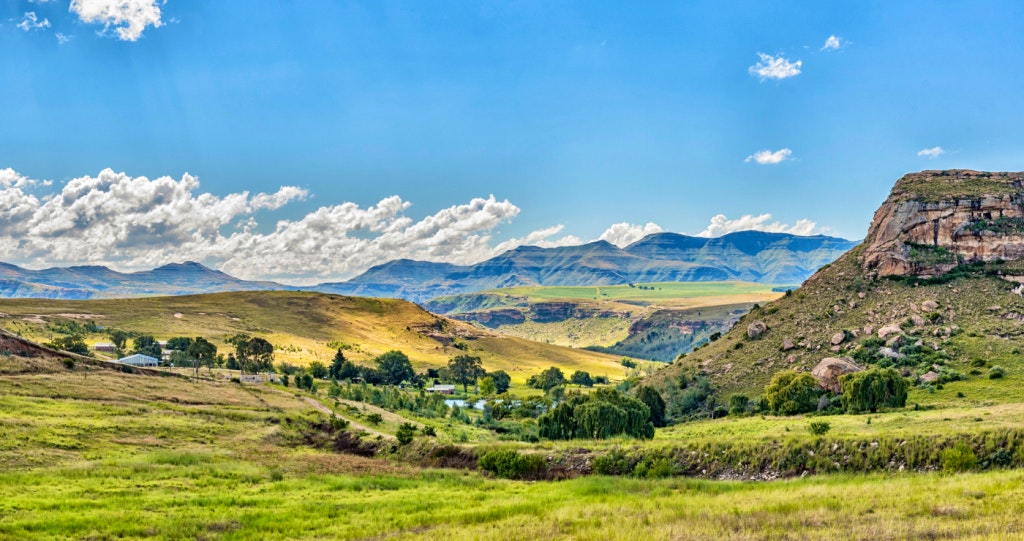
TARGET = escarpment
(936,220)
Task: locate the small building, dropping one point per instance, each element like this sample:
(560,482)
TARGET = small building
(443,389)
(139,360)
(105,347)
(250,378)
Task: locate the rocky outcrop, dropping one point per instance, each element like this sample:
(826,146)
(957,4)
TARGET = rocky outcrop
(494,318)
(935,220)
(828,371)
(756,329)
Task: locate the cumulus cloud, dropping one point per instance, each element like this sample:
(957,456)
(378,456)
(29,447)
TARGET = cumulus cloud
(774,67)
(931,153)
(31,22)
(62,38)
(722,225)
(833,43)
(134,223)
(127,18)
(767,157)
(623,234)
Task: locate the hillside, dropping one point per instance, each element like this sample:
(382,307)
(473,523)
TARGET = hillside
(928,292)
(88,282)
(650,321)
(305,327)
(770,258)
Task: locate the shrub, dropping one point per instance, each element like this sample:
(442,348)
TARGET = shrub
(374,419)
(958,458)
(873,389)
(819,428)
(654,467)
(996,372)
(508,463)
(406,433)
(428,431)
(791,392)
(69,363)
(338,423)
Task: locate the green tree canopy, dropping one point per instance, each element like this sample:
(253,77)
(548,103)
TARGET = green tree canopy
(602,414)
(581,379)
(318,370)
(465,369)
(790,392)
(179,343)
(147,345)
(394,368)
(202,351)
(873,389)
(120,340)
(653,400)
(502,381)
(548,379)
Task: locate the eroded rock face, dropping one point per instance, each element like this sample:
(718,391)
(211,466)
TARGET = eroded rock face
(827,372)
(935,220)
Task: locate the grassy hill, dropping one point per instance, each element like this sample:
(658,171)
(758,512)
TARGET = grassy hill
(305,327)
(976,325)
(87,452)
(651,321)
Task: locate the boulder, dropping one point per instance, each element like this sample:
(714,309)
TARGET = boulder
(838,338)
(787,345)
(869,329)
(929,306)
(895,341)
(890,353)
(889,330)
(828,371)
(917,320)
(929,377)
(756,329)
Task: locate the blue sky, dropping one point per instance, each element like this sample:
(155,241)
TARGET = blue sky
(572,114)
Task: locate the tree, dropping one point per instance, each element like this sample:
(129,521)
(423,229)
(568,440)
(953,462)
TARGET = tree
(202,352)
(318,370)
(71,344)
(653,400)
(487,387)
(602,414)
(179,343)
(465,369)
(147,345)
(232,362)
(873,389)
(394,368)
(261,354)
(548,379)
(502,381)
(120,340)
(406,433)
(581,378)
(790,392)
(338,365)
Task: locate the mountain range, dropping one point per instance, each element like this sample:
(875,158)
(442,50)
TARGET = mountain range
(776,258)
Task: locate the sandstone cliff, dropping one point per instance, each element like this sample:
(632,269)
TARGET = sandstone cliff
(935,220)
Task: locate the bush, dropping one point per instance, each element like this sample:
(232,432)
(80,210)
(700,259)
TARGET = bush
(819,428)
(873,389)
(69,363)
(374,419)
(406,433)
(655,467)
(791,392)
(508,463)
(428,431)
(959,458)
(996,372)
(338,423)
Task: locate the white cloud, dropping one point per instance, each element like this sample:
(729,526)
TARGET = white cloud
(774,67)
(63,38)
(623,234)
(721,225)
(833,43)
(31,22)
(931,153)
(767,157)
(126,17)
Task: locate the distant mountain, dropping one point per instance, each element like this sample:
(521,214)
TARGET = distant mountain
(88,282)
(777,258)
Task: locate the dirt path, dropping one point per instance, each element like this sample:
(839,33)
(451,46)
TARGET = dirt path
(354,425)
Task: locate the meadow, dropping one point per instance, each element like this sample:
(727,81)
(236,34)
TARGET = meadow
(97,454)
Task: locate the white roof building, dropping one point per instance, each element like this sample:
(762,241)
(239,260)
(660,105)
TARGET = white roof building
(139,360)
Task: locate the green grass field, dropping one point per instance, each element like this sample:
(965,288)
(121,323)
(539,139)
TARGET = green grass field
(660,291)
(306,327)
(93,454)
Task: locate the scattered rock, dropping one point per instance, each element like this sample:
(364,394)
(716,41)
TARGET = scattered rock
(929,377)
(929,306)
(838,338)
(890,353)
(895,341)
(835,349)
(868,329)
(860,295)
(827,372)
(918,321)
(787,345)
(889,330)
(995,308)
(791,359)
(756,329)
